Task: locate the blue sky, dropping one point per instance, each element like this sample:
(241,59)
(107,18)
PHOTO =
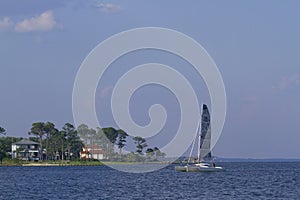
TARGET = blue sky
(255,45)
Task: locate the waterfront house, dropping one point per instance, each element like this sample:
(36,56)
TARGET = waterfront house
(25,150)
(92,152)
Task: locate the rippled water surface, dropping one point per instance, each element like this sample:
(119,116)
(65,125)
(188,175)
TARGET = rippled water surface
(239,181)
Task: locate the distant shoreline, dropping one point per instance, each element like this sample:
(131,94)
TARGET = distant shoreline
(49,164)
(8,162)
(64,164)
(58,164)
(75,163)
(257,160)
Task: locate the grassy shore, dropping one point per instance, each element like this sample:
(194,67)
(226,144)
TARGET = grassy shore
(15,162)
(72,163)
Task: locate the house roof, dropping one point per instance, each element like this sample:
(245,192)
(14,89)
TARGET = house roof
(93,152)
(25,141)
(97,152)
(93,149)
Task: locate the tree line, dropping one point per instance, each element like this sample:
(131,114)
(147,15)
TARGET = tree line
(109,137)
(67,143)
(59,144)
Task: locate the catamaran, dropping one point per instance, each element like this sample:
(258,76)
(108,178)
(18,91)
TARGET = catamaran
(204,161)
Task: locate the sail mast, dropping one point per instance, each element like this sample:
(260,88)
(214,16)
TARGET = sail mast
(190,156)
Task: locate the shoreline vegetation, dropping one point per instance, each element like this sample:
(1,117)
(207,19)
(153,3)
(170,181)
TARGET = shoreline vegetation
(15,162)
(50,146)
(12,163)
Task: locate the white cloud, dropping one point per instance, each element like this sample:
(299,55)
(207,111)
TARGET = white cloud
(287,82)
(43,22)
(108,7)
(5,24)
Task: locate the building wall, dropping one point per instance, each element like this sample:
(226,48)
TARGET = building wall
(32,152)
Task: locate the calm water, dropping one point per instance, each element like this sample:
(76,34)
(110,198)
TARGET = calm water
(239,181)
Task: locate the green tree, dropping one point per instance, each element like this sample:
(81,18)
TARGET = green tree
(5,146)
(121,139)
(158,154)
(38,129)
(76,146)
(34,139)
(55,145)
(103,141)
(2,154)
(132,157)
(84,133)
(100,138)
(140,144)
(62,136)
(49,129)
(149,153)
(2,131)
(2,147)
(65,142)
(73,143)
(2,151)
(111,135)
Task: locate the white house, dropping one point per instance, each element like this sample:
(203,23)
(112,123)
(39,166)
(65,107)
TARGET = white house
(93,152)
(25,150)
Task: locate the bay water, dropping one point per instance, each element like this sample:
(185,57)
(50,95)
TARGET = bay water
(238,181)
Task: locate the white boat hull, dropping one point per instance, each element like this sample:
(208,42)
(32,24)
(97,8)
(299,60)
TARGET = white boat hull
(198,168)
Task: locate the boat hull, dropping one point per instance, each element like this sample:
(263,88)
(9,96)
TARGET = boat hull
(189,168)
